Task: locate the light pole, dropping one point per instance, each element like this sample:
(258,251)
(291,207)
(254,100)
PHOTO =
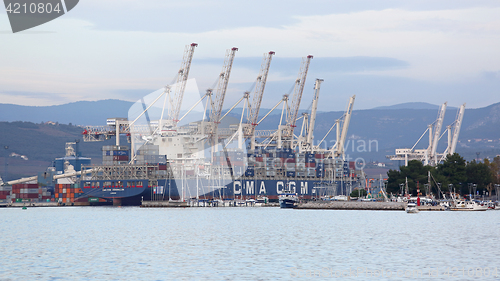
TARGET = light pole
(6,164)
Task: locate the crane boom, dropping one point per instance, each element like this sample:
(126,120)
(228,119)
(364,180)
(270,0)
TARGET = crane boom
(314,109)
(345,127)
(437,131)
(297,94)
(456,130)
(259,89)
(181,82)
(220,93)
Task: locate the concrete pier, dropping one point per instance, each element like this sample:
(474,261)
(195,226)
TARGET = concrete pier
(352,205)
(164,204)
(357,205)
(34,204)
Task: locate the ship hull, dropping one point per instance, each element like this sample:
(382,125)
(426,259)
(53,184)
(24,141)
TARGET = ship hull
(243,188)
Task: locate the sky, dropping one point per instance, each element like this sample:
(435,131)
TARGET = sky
(384,52)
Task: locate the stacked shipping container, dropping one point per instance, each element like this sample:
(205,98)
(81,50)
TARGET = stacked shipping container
(30,192)
(115,155)
(68,193)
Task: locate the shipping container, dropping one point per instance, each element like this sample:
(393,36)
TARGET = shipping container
(311,165)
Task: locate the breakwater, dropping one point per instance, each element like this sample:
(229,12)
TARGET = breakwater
(352,205)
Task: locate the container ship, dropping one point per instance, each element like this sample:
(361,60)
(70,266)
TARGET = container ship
(262,173)
(218,156)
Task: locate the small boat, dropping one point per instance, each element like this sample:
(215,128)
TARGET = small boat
(468,206)
(261,201)
(288,200)
(491,205)
(411,208)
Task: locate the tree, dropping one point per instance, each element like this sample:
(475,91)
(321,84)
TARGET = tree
(495,169)
(480,174)
(358,193)
(415,172)
(453,171)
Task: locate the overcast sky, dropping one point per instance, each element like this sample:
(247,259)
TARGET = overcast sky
(384,52)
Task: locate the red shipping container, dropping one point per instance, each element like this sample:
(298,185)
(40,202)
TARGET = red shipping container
(3,197)
(120,158)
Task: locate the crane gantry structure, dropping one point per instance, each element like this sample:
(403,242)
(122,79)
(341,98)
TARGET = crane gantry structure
(183,146)
(117,126)
(429,155)
(215,96)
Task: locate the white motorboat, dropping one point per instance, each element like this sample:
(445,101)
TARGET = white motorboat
(468,206)
(411,208)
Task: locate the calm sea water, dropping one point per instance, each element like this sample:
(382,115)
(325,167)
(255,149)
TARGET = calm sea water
(130,243)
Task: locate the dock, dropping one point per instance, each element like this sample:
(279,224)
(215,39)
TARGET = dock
(358,205)
(43,204)
(164,204)
(352,205)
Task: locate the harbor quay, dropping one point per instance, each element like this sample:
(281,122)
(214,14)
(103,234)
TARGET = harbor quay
(359,205)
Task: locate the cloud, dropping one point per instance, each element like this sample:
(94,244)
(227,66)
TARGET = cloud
(290,66)
(194,16)
(379,50)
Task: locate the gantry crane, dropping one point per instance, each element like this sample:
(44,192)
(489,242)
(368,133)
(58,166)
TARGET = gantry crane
(453,131)
(182,77)
(259,89)
(254,107)
(434,138)
(429,156)
(338,148)
(297,97)
(312,118)
(342,126)
(308,121)
(220,93)
(117,126)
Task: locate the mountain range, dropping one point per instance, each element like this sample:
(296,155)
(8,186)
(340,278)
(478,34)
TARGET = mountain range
(373,133)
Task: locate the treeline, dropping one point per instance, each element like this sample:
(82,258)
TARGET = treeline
(454,174)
